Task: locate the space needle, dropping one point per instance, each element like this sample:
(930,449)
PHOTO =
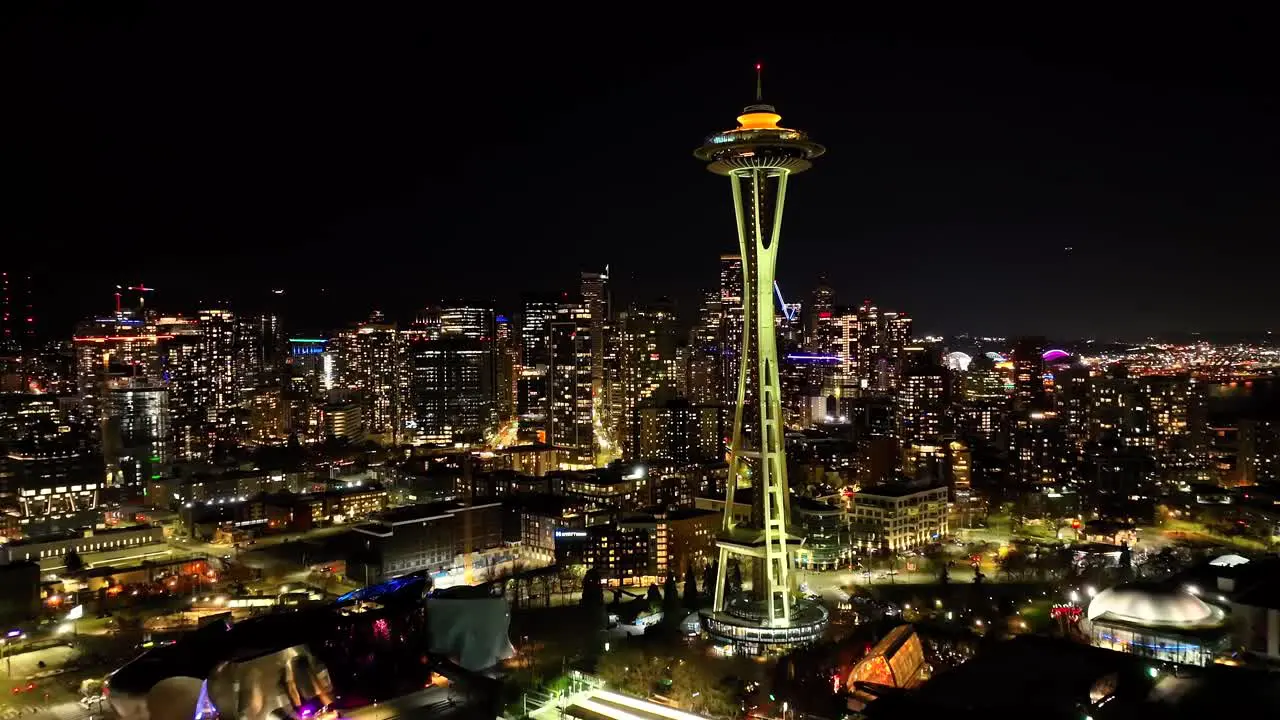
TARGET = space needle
(759,157)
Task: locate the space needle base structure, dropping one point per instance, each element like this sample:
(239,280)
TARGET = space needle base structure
(759,157)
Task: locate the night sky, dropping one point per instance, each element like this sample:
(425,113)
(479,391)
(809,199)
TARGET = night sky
(397,160)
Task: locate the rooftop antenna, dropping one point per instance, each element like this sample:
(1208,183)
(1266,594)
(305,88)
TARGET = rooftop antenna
(759,84)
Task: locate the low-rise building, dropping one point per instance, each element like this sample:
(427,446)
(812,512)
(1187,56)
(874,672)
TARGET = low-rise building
(691,538)
(897,516)
(51,550)
(440,538)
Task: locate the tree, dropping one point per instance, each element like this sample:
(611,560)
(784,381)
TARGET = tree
(690,589)
(672,612)
(73,562)
(945,578)
(592,603)
(654,595)
(709,577)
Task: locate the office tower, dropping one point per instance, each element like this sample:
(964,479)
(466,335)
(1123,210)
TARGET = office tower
(217,370)
(731,327)
(136,439)
(759,158)
(1028,374)
(506,368)
(17,317)
(453,379)
(533,392)
(569,426)
(650,338)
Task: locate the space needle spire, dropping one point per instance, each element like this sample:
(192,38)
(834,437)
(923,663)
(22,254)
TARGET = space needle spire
(759,157)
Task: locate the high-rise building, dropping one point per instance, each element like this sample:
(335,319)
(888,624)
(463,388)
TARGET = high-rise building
(533,391)
(759,157)
(706,369)
(1167,417)
(1028,374)
(182,375)
(650,364)
(921,409)
(379,347)
(453,381)
(897,336)
(731,325)
(136,439)
(111,350)
(217,370)
(49,468)
(1039,454)
(474,322)
(673,432)
(1259,450)
(869,352)
(506,368)
(570,424)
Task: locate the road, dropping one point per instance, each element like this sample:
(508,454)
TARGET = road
(433,701)
(216,550)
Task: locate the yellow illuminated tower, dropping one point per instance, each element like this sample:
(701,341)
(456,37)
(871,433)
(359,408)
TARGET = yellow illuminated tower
(759,157)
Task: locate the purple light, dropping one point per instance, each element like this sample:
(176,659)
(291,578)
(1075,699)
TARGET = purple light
(1055,355)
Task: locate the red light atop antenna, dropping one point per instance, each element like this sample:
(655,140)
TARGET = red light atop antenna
(758,66)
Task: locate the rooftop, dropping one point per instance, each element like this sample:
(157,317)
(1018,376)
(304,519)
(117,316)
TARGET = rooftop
(897,490)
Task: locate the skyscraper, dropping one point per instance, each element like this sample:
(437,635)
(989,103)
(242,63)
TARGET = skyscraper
(1028,374)
(730,325)
(218,389)
(569,423)
(136,441)
(452,387)
(650,337)
(533,392)
(759,158)
(379,347)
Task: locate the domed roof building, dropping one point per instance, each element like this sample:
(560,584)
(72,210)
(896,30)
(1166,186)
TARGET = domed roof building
(1157,621)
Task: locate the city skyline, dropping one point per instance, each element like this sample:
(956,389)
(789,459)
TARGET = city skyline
(972,165)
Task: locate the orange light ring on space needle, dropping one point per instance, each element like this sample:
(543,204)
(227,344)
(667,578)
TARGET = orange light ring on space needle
(759,121)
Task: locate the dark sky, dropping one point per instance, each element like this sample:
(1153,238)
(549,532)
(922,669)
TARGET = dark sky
(397,159)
